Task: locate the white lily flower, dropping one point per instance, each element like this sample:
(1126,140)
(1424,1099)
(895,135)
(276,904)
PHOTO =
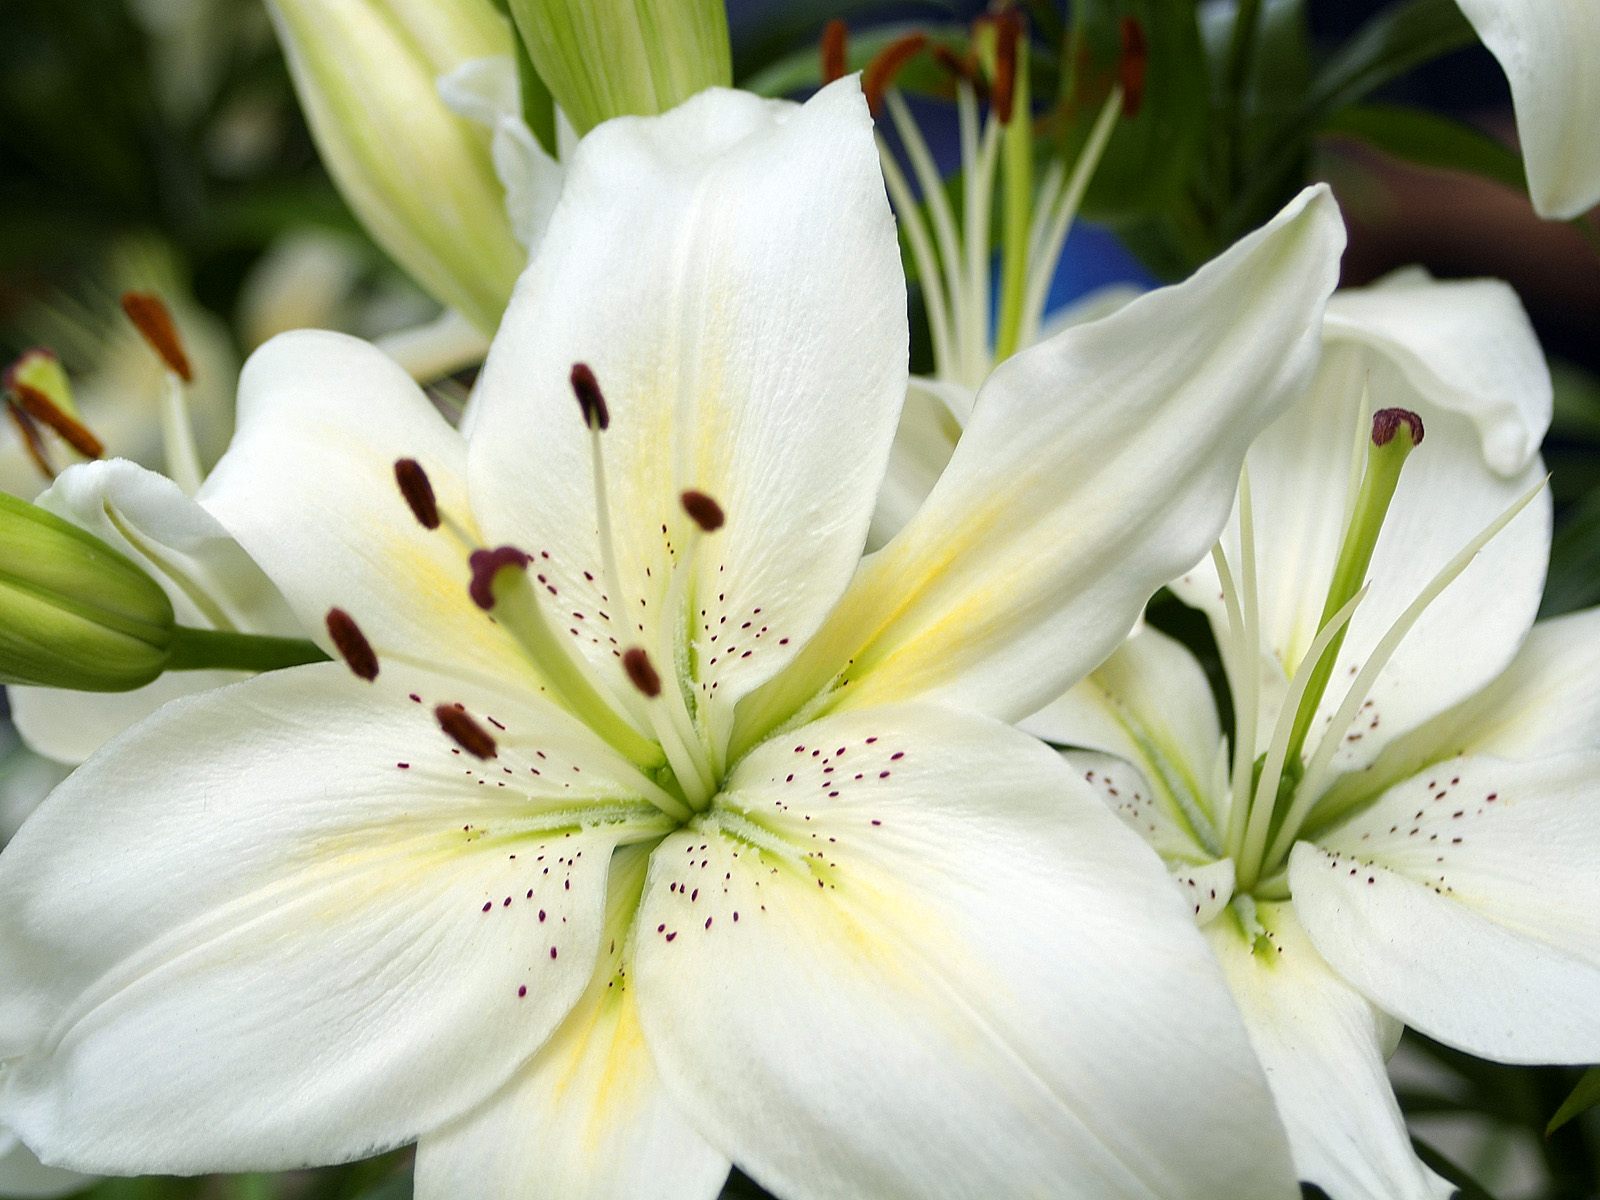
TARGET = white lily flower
(1427,859)
(1548,49)
(706,842)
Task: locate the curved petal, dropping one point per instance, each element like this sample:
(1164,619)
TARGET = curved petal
(212,582)
(925,961)
(24,1177)
(328,933)
(308,488)
(930,425)
(1300,481)
(1320,1042)
(1096,466)
(1547,49)
(587,1118)
(1466,345)
(1544,703)
(1464,903)
(730,272)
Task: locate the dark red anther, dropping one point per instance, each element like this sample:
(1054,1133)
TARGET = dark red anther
(45,411)
(703,510)
(1131,67)
(417,489)
(352,644)
(835,58)
(486,565)
(641,673)
(963,67)
(31,441)
(1008,33)
(591,400)
(465,732)
(886,64)
(151,318)
(1386,423)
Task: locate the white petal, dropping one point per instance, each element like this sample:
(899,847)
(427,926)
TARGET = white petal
(924,961)
(308,488)
(1464,903)
(485,90)
(23,1177)
(1548,49)
(930,424)
(1544,703)
(1125,788)
(1319,1041)
(587,1118)
(211,581)
(730,272)
(287,922)
(1300,479)
(26,778)
(1096,466)
(1466,345)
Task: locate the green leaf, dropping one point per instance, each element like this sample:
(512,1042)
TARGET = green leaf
(1584,1097)
(1430,140)
(1386,47)
(1574,579)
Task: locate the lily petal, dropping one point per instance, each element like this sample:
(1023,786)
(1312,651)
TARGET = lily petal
(319,930)
(1544,703)
(1450,489)
(1464,903)
(213,584)
(1320,1042)
(587,1118)
(925,961)
(308,487)
(1097,465)
(1547,49)
(930,424)
(24,1177)
(731,274)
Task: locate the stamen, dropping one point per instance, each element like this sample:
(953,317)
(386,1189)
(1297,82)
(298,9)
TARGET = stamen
(31,441)
(703,510)
(1008,32)
(637,664)
(1386,423)
(43,410)
(880,74)
(1131,67)
(151,318)
(591,401)
(465,732)
(352,644)
(962,67)
(486,566)
(418,492)
(1333,736)
(835,58)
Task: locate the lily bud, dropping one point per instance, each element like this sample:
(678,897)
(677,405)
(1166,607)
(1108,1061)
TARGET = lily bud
(612,58)
(74,613)
(420,177)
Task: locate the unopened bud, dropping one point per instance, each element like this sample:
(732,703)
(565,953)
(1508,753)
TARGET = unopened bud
(75,613)
(420,177)
(613,58)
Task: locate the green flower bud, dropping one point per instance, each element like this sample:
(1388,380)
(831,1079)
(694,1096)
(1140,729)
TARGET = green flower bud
(420,177)
(611,58)
(74,613)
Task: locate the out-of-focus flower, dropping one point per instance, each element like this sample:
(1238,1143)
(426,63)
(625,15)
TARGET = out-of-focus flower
(704,841)
(1548,49)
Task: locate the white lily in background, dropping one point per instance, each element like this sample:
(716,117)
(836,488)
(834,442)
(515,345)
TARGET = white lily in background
(1415,844)
(124,392)
(1548,50)
(706,842)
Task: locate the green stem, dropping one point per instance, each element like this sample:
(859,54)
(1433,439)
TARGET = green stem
(218,650)
(1378,482)
(1017,158)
